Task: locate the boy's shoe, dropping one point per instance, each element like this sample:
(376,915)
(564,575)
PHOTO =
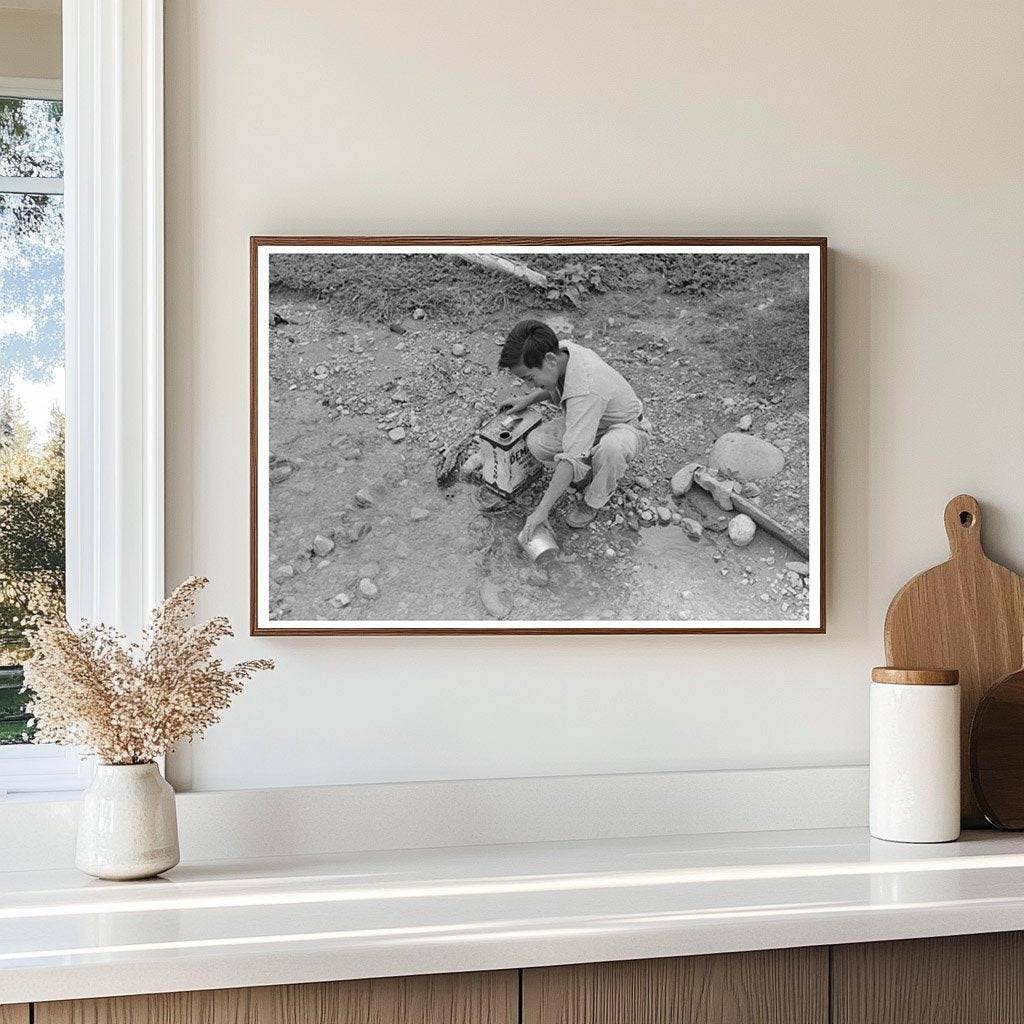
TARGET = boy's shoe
(580,516)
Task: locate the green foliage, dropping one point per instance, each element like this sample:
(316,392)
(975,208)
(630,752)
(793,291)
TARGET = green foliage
(32,551)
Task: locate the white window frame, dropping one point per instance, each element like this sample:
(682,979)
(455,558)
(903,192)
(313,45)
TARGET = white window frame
(114,325)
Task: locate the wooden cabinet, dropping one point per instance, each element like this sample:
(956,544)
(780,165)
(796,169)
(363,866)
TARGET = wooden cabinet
(491,998)
(962,979)
(777,986)
(970,979)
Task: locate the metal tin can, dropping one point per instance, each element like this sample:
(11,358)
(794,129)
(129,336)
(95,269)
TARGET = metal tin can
(541,545)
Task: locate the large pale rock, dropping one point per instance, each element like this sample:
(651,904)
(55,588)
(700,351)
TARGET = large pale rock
(741,530)
(745,457)
(683,479)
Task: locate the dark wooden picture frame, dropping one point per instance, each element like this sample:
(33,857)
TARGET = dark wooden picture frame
(816,543)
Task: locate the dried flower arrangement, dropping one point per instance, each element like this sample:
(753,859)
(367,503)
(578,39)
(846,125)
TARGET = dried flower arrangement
(130,703)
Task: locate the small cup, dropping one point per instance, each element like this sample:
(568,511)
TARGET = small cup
(542,544)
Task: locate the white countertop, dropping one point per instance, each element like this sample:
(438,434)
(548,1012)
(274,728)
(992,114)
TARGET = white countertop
(261,922)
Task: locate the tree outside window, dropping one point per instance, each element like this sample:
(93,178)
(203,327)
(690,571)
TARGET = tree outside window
(31,387)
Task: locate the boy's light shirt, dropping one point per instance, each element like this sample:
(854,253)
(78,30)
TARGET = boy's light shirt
(595,397)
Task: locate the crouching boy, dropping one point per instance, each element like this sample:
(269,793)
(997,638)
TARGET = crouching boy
(599,432)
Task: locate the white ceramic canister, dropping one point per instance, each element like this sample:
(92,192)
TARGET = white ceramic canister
(127,825)
(915,755)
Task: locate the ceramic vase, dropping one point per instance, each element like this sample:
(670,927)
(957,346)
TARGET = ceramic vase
(127,825)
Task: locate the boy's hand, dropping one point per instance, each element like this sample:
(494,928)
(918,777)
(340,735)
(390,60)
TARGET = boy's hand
(514,406)
(533,521)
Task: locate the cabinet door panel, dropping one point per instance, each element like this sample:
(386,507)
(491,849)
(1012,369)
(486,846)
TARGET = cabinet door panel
(778,986)
(481,998)
(960,979)
(14,1013)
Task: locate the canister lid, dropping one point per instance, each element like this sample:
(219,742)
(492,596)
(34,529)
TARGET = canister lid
(916,676)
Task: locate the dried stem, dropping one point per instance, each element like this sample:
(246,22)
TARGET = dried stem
(129,703)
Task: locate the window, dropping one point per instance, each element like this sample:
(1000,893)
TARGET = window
(32,549)
(108,206)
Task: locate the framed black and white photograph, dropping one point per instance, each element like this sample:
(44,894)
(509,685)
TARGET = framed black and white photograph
(537,435)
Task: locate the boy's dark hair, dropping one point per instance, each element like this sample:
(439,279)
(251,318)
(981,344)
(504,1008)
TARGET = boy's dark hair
(528,343)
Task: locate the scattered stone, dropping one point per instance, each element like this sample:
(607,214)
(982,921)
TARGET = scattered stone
(647,517)
(664,515)
(284,572)
(370,571)
(746,457)
(458,349)
(746,422)
(321,371)
(765,598)
(644,482)
(692,528)
(418,514)
(741,530)
(350,453)
(322,545)
(280,473)
(396,328)
(496,601)
(364,499)
(418,313)
(752,379)
(750,490)
(687,593)
(535,576)
(609,552)
(683,479)
(343,600)
(369,589)
(397,434)
(400,395)
(799,567)
(676,519)
(357,532)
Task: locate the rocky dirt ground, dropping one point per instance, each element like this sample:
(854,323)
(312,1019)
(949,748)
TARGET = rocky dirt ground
(360,407)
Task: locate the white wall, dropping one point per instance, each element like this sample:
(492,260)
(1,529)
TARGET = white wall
(895,129)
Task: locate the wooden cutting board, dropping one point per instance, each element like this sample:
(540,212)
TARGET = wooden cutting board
(967,614)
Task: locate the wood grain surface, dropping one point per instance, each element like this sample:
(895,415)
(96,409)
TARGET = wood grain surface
(967,614)
(14,1013)
(961,979)
(480,998)
(915,676)
(779,986)
(997,752)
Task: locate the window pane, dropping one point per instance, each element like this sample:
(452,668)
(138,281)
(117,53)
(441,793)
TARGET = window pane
(31,433)
(31,138)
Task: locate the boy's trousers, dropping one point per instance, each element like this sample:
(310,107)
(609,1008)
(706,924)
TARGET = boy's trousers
(613,451)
